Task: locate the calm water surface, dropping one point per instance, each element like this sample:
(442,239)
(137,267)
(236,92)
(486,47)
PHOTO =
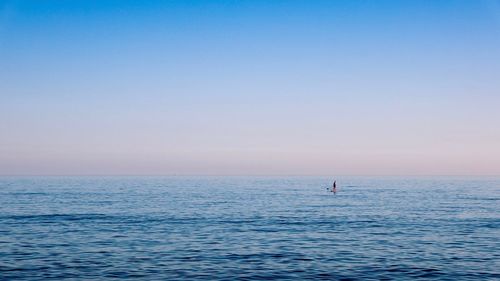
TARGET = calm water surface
(249,228)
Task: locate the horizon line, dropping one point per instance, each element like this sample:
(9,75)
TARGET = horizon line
(248,175)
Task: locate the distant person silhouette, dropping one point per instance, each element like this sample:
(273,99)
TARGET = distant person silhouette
(334,187)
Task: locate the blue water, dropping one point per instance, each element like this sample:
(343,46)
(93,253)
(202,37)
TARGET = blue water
(249,228)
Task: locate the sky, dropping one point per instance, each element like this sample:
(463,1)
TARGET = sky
(250,87)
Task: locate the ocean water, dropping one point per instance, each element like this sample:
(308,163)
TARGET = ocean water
(249,228)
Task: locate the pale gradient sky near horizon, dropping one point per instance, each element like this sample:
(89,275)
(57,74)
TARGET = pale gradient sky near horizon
(250,87)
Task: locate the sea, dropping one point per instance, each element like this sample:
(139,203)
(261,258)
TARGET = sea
(249,228)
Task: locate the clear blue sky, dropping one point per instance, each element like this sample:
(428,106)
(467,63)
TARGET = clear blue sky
(250,87)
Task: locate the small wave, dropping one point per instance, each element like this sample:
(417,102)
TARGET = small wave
(46,217)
